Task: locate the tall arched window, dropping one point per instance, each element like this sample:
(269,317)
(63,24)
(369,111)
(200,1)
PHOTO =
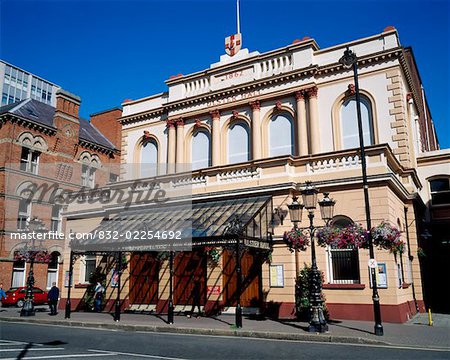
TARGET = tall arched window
(349,123)
(238,143)
(201,150)
(281,135)
(149,158)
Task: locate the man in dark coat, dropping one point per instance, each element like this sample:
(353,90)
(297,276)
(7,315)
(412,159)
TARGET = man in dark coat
(53,296)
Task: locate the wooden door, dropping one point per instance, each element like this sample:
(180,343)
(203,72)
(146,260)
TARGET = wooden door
(188,268)
(251,279)
(144,278)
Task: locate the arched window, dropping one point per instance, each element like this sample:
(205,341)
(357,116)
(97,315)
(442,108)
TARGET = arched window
(238,143)
(201,150)
(349,123)
(149,158)
(281,135)
(343,264)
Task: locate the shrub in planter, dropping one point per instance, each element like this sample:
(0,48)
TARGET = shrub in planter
(302,286)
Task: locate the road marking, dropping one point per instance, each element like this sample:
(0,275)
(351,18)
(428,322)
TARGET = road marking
(63,356)
(30,349)
(139,355)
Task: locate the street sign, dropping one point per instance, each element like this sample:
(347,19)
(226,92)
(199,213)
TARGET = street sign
(372,263)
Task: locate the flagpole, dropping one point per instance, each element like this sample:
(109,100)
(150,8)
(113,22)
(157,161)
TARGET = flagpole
(238,21)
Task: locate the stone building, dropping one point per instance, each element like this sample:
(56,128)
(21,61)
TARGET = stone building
(253,128)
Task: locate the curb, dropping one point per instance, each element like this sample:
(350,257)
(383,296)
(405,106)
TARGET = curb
(211,332)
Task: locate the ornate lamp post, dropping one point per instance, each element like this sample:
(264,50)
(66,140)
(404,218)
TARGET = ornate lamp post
(317,321)
(350,60)
(30,253)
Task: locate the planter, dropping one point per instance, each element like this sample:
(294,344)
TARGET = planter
(295,239)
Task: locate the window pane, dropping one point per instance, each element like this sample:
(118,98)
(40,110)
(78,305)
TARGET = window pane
(200,150)
(238,144)
(439,185)
(18,278)
(345,265)
(349,124)
(90,269)
(281,136)
(51,278)
(149,158)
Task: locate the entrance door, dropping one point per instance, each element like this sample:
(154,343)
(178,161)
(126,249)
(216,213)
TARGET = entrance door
(144,273)
(251,279)
(188,268)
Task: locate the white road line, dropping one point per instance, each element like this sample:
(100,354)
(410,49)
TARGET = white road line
(63,356)
(139,355)
(30,349)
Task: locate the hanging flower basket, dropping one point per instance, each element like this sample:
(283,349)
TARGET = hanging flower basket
(36,256)
(351,236)
(213,254)
(387,237)
(296,240)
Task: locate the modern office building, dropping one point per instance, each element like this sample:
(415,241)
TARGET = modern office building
(255,128)
(17,84)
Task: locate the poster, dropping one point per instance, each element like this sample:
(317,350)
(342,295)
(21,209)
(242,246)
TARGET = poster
(213,290)
(276,274)
(114,278)
(66,279)
(381,276)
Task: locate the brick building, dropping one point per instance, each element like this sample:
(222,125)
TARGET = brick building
(55,150)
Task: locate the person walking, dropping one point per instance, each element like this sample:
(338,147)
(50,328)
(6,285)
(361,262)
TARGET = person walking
(52,297)
(196,298)
(98,296)
(2,293)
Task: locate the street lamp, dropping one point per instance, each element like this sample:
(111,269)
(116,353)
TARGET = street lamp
(31,253)
(350,60)
(317,322)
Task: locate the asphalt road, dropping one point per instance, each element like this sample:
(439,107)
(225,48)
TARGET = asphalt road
(32,341)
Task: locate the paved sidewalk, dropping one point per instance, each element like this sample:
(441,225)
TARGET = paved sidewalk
(413,334)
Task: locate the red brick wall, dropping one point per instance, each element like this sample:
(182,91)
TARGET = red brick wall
(108,124)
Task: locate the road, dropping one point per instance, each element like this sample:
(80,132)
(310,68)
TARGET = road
(33,341)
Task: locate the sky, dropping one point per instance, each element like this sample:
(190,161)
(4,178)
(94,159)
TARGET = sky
(107,51)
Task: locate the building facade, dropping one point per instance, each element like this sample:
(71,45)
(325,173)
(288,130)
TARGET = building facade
(258,126)
(55,150)
(17,84)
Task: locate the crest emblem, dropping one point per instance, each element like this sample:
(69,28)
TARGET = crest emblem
(233,44)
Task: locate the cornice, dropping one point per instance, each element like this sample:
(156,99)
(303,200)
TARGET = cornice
(27,123)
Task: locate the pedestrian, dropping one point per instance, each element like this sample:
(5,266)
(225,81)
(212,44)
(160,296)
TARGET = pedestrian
(2,292)
(52,297)
(98,296)
(196,298)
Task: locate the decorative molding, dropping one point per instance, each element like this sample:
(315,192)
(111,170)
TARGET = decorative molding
(278,106)
(351,90)
(179,122)
(312,91)
(170,123)
(256,105)
(235,115)
(215,114)
(300,95)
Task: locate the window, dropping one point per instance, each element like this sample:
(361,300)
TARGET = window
(24,214)
(89,267)
(201,150)
(56,218)
(149,158)
(18,275)
(29,160)
(113,177)
(4,99)
(87,176)
(281,136)
(343,264)
(440,191)
(52,271)
(238,143)
(349,123)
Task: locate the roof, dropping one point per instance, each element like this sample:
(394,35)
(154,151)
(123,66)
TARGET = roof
(40,113)
(199,224)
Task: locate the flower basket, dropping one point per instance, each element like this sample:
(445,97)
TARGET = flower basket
(36,256)
(213,255)
(351,236)
(387,237)
(296,240)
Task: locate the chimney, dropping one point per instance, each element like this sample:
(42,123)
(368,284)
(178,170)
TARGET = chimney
(107,122)
(67,104)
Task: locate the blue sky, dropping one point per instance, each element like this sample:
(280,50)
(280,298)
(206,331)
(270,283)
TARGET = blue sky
(110,50)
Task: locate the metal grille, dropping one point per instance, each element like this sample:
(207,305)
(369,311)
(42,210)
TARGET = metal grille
(344,266)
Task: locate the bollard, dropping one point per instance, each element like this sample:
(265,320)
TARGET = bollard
(430,318)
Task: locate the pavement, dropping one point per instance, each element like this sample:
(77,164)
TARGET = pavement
(415,333)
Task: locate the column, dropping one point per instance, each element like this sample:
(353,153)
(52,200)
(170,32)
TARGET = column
(215,141)
(180,145)
(302,127)
(256,130)
(171,146)
(314,120)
